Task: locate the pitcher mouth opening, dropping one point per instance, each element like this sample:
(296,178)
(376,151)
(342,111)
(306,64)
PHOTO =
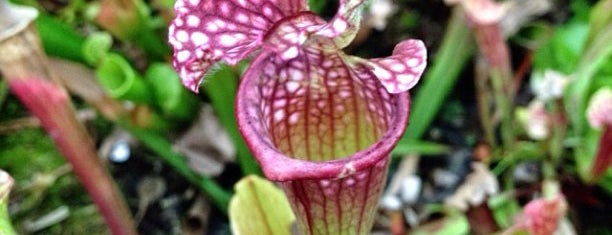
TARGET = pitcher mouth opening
(300,126)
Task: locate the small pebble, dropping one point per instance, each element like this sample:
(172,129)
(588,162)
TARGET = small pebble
(411,189)
(120,152)
(391,202)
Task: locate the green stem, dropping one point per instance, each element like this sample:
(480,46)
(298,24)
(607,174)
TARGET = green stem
(559,125)
(504,108)
(483,97)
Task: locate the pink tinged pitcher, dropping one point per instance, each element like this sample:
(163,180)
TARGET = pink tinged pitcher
(320,122)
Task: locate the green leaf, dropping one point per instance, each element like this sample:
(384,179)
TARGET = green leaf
(96,47)
(59,39)
(606,181)
(439,79)
(406,146)
(600,18)
(564,50)
(121,81)
(455,224)
(170,95)
(258,207)
(504,208)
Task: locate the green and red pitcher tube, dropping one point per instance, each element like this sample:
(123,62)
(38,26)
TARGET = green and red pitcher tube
(320,122)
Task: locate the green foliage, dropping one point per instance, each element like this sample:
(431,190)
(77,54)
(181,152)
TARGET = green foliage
(454,224)
(42,185)
(220,87)
(121,81)
(440,77)
(59,39)
(563,51)
(259,207)
(132,64)
(407,146)
(96,47)
(26,152)
(504,208)
(175,102)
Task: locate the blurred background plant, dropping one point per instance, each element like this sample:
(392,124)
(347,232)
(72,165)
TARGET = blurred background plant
(490,133)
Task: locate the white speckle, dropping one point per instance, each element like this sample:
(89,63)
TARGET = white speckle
(293,119)
(212,27)
(349,182)
(279,115)
(327,32)
(242,18)
(267,11)
(182,56)
(242,2)
(397,67)
(231,27)
(362,175)
(321,104)
(405,78)
(327,63)
(177,45)
(290,53)
(372,106)
(340,25)
(217,53)
(182,36)
(412,62)
(296,75)
(345,94)
(333,74)
(198,38)
(220,23)
(178,22)
(325,183)
(280,103)
(193,21)
(292,86)
(292,37)
(402,87)
(381,73)
(227,40)
(224,8)
(194,2)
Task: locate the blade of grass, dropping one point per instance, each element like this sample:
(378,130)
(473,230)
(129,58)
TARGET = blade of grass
(453,54)
(406,146)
